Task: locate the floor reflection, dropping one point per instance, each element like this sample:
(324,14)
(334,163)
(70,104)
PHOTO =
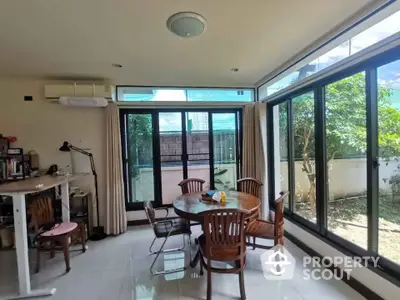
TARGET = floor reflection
(148,287)
(124,274)
(173,261)
(144,293)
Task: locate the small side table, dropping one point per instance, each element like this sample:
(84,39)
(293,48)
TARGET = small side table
(79,212)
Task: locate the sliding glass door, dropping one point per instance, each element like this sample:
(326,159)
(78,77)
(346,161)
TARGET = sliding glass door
(198,146)
(172,162)
(138,163)
(335,145)
(225,130)
(304,155)
(346,158)
(163,147)
(389,161)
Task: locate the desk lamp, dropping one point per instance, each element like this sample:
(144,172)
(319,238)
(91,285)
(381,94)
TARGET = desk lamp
(98,232)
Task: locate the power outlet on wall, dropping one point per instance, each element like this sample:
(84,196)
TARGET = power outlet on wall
(28,98)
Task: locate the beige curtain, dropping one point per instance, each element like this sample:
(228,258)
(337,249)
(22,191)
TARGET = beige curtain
(116,221)
(255,147)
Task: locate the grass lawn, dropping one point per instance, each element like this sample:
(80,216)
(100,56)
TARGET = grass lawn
(348,219)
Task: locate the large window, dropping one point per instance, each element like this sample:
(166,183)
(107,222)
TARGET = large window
(368,37)
(339,140)
(131,93)
(163,147)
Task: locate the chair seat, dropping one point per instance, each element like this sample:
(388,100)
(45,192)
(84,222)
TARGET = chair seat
(179,226)
(262,229)
(60,229)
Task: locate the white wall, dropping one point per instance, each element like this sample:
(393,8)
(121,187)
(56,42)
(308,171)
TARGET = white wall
(346,176)
(43,126)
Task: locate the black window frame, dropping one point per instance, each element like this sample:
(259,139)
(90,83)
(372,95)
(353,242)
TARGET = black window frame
(134,206)
(386,268)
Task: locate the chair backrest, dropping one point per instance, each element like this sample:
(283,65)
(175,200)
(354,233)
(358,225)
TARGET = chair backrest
(250,186)
(279,207)
(191,185)
(150,212)
(224,234)
(41,211)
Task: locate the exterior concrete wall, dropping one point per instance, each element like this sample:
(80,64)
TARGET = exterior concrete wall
(346,177)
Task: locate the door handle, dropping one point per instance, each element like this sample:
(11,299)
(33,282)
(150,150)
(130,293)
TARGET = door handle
(376,163)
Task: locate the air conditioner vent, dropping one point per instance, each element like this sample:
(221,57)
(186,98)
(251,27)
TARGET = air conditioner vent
(54,92)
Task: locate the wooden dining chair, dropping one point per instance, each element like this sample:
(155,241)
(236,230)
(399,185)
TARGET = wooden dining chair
(49,233)
(191,185)
(223,240)
(250,186)
(270,230)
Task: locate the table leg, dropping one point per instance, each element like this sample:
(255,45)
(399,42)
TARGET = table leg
(20,227)
(65,201)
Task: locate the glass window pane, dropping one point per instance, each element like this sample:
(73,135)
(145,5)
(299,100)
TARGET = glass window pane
(304,148)
(389,155)
(177,94)
(376,33)
(170,124)
(282,83)
(140,157)
(220,95)
(333,56)
(224,146)
(198,148)
(363,40)
(281,151)
(150,94)
(346,136)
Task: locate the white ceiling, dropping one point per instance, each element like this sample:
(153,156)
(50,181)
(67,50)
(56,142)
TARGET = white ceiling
(81,39)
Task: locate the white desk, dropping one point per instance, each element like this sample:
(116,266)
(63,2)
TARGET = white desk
(18,190)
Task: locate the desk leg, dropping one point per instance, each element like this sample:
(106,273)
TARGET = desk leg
(21,241)
(65,201)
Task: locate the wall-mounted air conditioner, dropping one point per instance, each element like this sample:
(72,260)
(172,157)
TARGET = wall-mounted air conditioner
(80,94)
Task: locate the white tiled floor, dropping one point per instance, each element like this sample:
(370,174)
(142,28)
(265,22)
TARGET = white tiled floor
(118,268)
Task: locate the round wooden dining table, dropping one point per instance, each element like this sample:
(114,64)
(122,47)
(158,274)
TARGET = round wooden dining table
(190,206)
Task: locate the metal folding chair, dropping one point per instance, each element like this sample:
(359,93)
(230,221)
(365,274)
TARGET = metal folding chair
(164,229)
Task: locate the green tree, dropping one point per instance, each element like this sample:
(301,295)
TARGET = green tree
(140,141)
(345,125)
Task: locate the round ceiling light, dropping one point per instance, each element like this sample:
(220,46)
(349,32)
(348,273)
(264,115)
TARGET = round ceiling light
(186,24)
